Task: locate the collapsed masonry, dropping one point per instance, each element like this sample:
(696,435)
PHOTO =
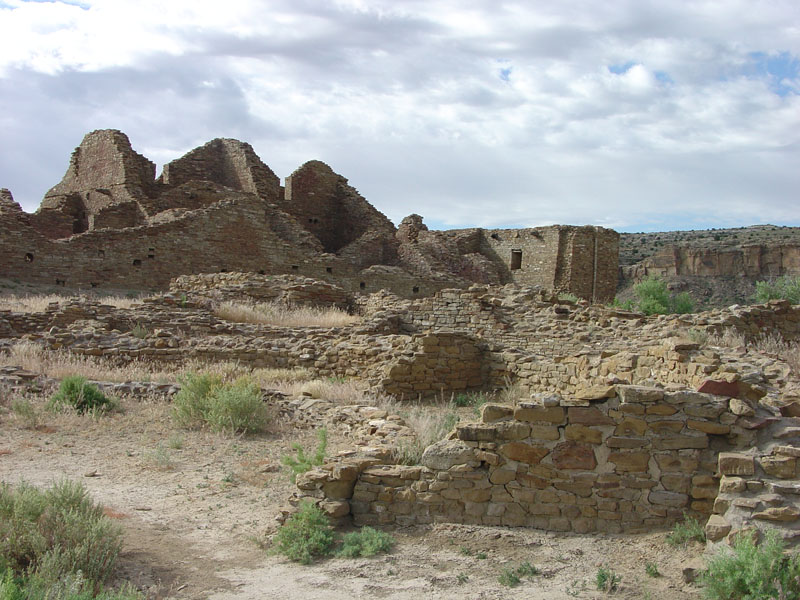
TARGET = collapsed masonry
(624,425)
(111,224)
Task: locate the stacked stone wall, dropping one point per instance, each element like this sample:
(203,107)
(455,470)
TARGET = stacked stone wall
(638,461)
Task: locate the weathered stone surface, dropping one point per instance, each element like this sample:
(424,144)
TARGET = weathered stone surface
(782,467)
(781,513)
(475,432)
(574,455)
(717,528)
(731,463)
(447,453)
(588,416)
(639,394)
(673,499)
(708,427)
(495,412)
(719,388)
(523,452)
(581,433)
(533,413)
(630,461)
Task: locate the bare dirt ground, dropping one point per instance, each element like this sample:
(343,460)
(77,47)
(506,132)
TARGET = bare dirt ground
(198,511)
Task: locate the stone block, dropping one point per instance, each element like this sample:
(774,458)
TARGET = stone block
(717,528)
(545,432)
(587,416)
(780,514)
(533,413)
(496,412)
(661,410)
(631,427)
(475,432)
(731,485)
(523,452)
(719,388)
(732,463)
(513,430)
(595,392)
(447,453)
(630,461)
(673,499)
(676,482)
(574,455)
(639,394)
(708,427)
(680,442)
(617,441)
(582,433)
(782,467)
(502,476)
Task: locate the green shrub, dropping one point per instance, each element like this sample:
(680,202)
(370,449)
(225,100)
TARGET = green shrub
(651,569)
(751,572)
(228,407)
(607,580)
(48,536)
(304,462)
(475,399)
(238,407)
(655,298)
(193,402)
(77,392)
(509,578)
(69,587)
(782,288)
(366,542)
(684,532)
(305,535)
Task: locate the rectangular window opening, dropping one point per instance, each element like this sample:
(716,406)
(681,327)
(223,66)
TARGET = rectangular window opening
(516,259)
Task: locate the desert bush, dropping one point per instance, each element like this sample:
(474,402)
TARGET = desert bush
(752,572)
(655,298)
(33,303)
(306,535)
(365,542)
(48,536)
(782,288)
(205,400)
(281,315)
(69,587)
(76,392)
(303,462)
(683,533)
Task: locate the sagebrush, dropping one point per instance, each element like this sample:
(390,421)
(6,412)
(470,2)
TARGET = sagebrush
(48,536)
(751,571)
(205,400)
(306,535)
(302,462)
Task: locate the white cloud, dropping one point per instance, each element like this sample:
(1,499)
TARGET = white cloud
(627,113)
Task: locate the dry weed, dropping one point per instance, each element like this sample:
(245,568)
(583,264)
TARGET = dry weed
(60,363)
(280,315)
(730,338)
(33,303)
(342,391)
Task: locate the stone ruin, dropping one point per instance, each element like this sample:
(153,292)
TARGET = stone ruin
(624,423)
(110,223)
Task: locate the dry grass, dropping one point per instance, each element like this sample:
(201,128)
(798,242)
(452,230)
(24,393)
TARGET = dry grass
(273,313)
(730,338)
(59,364)
(340,391)
(33,303)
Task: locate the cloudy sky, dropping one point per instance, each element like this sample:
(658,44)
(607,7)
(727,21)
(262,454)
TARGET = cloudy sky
(641,115)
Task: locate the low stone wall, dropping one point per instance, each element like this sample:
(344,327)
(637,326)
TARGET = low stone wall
(638,460)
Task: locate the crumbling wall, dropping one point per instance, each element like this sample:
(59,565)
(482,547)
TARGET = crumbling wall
(634,462)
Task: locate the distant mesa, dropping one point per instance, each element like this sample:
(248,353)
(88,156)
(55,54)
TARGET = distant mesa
(111,223)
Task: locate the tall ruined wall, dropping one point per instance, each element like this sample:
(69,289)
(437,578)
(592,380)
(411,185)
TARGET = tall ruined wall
(104,174)
(226,162)
(579,260)
(324,204)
